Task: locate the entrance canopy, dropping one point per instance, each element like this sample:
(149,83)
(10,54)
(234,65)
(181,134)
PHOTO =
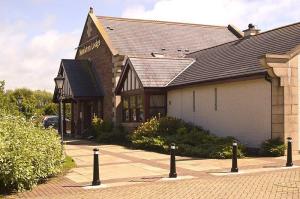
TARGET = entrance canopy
(80,80)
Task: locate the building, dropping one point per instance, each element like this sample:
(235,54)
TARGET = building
(232,83)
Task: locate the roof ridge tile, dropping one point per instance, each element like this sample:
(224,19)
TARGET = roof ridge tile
(281,27)
(244,39)
(159,21)
(165,58)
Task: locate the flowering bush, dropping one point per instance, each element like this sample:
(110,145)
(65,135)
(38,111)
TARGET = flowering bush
(158,133)
(28,153)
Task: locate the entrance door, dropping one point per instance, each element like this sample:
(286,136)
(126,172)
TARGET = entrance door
(87,115)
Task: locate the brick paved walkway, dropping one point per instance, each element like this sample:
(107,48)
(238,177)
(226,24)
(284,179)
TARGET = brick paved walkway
(278,184)
(138,174)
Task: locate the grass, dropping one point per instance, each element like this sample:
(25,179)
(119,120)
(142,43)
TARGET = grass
(68,164)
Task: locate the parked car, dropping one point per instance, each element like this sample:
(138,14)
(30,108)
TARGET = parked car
(53,121)
(50,121)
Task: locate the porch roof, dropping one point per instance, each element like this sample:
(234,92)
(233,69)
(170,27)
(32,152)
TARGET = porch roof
(80,79)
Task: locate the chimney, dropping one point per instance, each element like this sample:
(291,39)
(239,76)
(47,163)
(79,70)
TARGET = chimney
(91,10)
(252,30)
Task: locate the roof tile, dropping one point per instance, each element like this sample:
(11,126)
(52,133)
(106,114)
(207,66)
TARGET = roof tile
(240,57)
(133,37)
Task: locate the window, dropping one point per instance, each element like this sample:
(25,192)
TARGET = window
(216,99)
(157,105)
(194,107)
(133,110)
(125,109)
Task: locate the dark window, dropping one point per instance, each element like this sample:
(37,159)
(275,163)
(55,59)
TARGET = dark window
(125,109)
(216,99)
(194,106)
(157,105)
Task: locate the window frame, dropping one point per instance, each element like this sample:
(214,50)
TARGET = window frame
(124,110)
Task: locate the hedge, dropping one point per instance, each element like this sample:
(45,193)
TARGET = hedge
(28,153)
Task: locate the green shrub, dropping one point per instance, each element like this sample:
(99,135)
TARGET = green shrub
(273,147)
(158,133)
(28,154)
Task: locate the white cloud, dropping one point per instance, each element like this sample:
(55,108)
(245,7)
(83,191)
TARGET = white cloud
(264,13)
(49,22)
(33,61)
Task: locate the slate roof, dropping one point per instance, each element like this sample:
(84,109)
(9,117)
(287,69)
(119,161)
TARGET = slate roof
(81,78)
(136,37)
(158,72)
(240,57)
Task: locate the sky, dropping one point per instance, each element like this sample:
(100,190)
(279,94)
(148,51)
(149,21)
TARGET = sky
(36,34)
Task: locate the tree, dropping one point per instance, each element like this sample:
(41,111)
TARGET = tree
(50,109)
(2,84)
(5,104)
(35,103)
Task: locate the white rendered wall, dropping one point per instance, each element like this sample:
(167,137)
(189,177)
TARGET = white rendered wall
(243,109)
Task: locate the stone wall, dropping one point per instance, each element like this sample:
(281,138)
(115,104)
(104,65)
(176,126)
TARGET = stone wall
(119,62)
(284,72)
(277,109)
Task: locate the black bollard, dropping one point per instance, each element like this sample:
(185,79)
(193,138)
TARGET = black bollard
(289,161)
(96,179)
(172,173)
(234,167)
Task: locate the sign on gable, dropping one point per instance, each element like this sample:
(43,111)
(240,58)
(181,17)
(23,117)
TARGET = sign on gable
(89,47)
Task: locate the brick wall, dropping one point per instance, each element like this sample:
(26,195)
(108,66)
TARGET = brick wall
(101,59)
